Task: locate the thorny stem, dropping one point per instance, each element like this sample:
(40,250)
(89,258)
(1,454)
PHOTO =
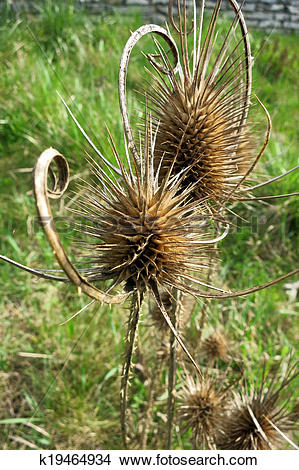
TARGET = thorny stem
(130,342)
(172,367)
(206,301)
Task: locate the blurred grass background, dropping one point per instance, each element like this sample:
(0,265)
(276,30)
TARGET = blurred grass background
(66,378)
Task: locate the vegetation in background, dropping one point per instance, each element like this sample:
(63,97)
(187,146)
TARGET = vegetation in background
(66,378)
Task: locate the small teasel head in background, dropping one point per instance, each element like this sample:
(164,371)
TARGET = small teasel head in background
(202,407)
(214,347)
(169,301)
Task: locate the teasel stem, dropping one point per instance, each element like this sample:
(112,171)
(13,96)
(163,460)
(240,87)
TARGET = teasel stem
(206,301)
(130,342)
(172,367)
(157,296)
(148,415)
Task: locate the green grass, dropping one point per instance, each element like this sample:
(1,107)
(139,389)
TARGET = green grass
(72,388)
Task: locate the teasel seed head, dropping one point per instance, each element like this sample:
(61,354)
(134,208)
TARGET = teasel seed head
(260,419)
(201,111)
(215,347)
(204,137)
(202,407)
(143,233)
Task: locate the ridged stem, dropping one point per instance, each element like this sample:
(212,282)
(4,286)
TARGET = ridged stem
(130,342)
(172,365)
(206,301)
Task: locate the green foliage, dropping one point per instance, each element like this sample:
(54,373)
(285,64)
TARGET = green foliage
(67,377)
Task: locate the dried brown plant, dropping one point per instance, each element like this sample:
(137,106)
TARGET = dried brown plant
(260,418)
(146,226)
(214,347)
(200,107)
(202,407)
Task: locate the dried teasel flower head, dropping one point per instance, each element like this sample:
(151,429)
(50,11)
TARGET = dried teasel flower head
(202,407)
(259,419)
(214,347)
(200,103)
(201,108)
(141,233)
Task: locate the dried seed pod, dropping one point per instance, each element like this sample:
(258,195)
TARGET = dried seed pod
(215,347)
(201,112)
(259,419)
(144,233)
(202,407)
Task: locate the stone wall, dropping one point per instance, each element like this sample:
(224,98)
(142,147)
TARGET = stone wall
(280,15)
(263,14)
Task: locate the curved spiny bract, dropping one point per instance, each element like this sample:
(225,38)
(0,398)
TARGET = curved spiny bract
(201,112)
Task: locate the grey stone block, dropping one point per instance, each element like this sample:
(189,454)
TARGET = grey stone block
(137,2)
(282,16)
(277,7)
(248,7)
(291,25)
(260,16)
(269,24)
(293,9)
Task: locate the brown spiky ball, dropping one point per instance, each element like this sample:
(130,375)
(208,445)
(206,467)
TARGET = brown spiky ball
(202,408)
(258,420)
(141,236)
(215,347)
(201,113)
(198,131)
(140,232)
